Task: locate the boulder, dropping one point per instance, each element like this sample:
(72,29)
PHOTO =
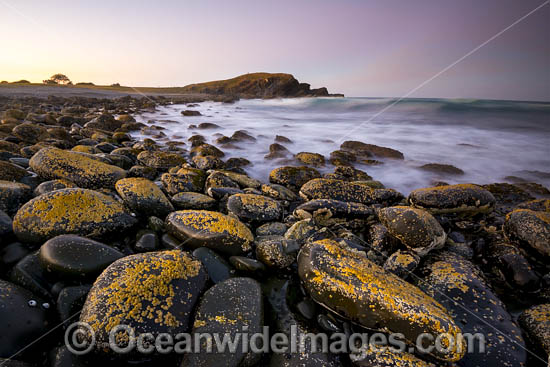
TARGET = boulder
(254,207)
(144,197)
(530,229)
(461,199)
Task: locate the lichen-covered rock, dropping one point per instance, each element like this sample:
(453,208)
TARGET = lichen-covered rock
(160,160)
(11,172)
(175,183)
(346,282)
(536,321)
(30,133)
(415,228)
(193,200)
(207,149)
(324,188)
(13,195)
(214,230)
(254,207)
(460,287)
(311,159)
(224,310)
(347,173)
(278,192)
(70,211)
(293,177)
(338,208)
(529,229)
(442,169)
(144,197)
(401,263)
(243,180)
(22,324)
(154,292)
(368,150)
(539,205)
(207,162)
(301,230)
(74,257)
(52,163)
(276,254)
(462,198)
(218,180)
(372,355)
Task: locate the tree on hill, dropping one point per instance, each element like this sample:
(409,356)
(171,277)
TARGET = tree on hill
(58,79)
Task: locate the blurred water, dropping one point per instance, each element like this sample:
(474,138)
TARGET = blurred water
(489,140)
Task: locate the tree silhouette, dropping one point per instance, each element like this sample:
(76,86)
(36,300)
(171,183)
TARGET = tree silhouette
(58,79)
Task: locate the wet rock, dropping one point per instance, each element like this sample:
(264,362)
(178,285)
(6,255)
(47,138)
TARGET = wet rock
(23,319)
(529,229)
(310,159)
(214,230)
(384,356)
(207,149)
(160,160)
(235,163)
(513,265)
(207,162)
(218,179)
(191,113)
(142,171)
(242,135)
(461,199)
(507,196)
(13,195)
(223,193)
(11,172)
(74,257)
(323,188)
(19,161)
(277,151)
(282,139)
(337,208)
(29,274)
(274,253)
(442,169)
(370,150)
(70,211)
(293,177)
(104,122)
(242,180)
(153,292)
(147,241)
(218,269)
(6,226)
(347,283)
(301,230)
(86,149)
(415,228)
(29,132)
(539,205)
(460,287)
(70,300)
(342,158)
(181,182)
(254,207)
(536,321)
(271,228)
(144,197)
(246,264)
(401,263)
(193,200)
(225,309)
(346,173)
(53,163)
(53,185)
(278,192)
(207,125)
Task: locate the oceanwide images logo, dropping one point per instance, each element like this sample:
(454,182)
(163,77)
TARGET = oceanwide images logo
(80,339)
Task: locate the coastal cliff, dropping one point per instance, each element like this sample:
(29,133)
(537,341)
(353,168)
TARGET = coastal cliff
(260,85)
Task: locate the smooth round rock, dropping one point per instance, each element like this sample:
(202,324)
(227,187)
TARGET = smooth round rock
(530,229)
(74,257)
(144,197)
(53,185)
(415,228)
(225,309)
(271,229)
(193,200)
(293,177)
(274,253)
(346,282)
(70,211)
(21,323)
(160,160)
(324,188)
(254,207)
(246,264)
(13,195)
(401,263)
(153,292)
(147,241)
(52,163)
(218,269)
(536,321)
(219,232)
(11,172)
(462,198)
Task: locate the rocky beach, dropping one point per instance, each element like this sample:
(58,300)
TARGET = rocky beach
(108,221)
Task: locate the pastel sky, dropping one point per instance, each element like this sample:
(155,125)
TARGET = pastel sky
(357,47)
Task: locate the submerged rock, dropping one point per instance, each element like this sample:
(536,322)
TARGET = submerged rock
(144,197)
(224,310)
(349,284)
(415,228)
(85,172)
(153,293)
(254,207)
(529,229)
(70,211)
(462,199)
(210,229)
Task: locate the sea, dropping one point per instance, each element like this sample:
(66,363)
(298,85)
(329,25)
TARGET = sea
(491,141)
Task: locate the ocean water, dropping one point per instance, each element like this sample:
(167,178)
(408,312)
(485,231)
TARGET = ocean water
(488,140)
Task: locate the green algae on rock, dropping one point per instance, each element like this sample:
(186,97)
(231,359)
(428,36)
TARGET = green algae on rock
(144,197)
(154,292)
(210,229)
(415,228)
(86,172)
(254,207)
(530,229)
(346,282)
(461,198)
(82,212)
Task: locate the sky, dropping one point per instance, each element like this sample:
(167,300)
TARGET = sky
(382,48)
